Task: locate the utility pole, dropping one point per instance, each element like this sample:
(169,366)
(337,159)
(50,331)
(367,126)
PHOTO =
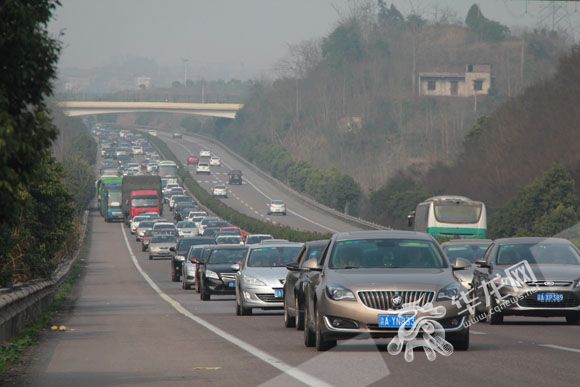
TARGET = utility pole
(185,61)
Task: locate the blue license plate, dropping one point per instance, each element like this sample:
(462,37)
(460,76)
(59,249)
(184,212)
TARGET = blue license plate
(279,293)
(231,284)
(549,297)
(394,321)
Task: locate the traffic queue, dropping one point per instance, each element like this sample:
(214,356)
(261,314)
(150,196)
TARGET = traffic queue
(356,284)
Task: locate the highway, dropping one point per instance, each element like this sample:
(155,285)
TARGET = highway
(252,197)
(132,325)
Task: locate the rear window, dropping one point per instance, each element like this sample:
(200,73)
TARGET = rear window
(220,256)
(471,252)
(164,239)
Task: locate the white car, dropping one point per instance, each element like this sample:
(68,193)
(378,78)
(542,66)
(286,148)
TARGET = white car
(152,133)
(215,161)
(202,168)
(219,191)
(186,229)
(137,150)
(134,223)
(204,153)
(168,187)
(257,238)
(152,167)
(277,207)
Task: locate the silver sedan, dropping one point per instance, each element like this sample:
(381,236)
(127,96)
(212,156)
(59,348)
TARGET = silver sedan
(261,275)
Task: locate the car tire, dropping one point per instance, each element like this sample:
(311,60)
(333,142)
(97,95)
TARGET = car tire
(299,315)
(150,257)
(573,318)
(460,342)
(238,308)
(204,295)
(493,318)
(143,248)
(321,343)
(309,336)
(289,320)
(186,286)
(174,276)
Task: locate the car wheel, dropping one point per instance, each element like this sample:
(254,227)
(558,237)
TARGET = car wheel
(309,337)
(299,314)
(460,342)
(289,321)
(321,343)
(238,308)
(204,295)
(573,318)
(150,257)
(186,286)
(143,248)
(174,276)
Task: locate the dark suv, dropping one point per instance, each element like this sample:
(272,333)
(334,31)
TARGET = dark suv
(217,270)
(180,253)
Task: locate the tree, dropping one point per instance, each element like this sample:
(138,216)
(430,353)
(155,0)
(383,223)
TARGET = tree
(343,45)
(28,59)
(487,30)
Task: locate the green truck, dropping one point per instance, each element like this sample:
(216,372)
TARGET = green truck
(109,196)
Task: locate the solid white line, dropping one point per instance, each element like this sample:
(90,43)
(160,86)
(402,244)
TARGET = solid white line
(567,349)
(264,356)
(266,196)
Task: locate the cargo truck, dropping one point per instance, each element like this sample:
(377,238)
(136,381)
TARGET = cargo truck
(141,194)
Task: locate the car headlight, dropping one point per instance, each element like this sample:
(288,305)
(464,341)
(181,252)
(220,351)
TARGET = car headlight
(449,292)
(180,257)
(339,293)
(211,274)
(252,281)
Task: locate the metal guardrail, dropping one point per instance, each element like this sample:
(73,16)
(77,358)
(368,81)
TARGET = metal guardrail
(22,305)
(281,185)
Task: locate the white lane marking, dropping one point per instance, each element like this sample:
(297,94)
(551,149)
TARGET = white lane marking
(477,332)
(266,196)
(567,349)
(264,356)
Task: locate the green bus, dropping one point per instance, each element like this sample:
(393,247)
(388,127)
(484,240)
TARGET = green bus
(450,216)
(109,197)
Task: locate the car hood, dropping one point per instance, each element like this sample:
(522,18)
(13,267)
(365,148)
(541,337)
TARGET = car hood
(550,272)
(391,279)
(220,267)
(272,276)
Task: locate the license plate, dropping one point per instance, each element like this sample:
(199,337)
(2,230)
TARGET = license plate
(231,284)
(394,321)
(549,297)
(279,293)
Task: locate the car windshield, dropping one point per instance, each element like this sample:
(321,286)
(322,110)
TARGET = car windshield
(159,226)
(275,256)
(207,220)
(145,202)
(185,225)
(458,213)
(277,202)
(184,245)
(538,253)
(257,238)
(386,253)
(164,239)
(195,253)
(220,256)
(471,252)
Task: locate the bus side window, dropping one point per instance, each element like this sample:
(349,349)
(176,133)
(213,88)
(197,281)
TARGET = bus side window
(421,214)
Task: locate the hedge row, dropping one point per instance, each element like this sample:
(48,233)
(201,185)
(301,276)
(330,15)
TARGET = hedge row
(243,221)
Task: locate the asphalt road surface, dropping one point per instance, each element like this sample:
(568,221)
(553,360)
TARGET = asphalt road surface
(132,326)
(253,196)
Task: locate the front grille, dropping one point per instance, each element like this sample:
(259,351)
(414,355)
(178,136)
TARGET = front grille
(570,301)
(382,300)
(269,297)
(551,284)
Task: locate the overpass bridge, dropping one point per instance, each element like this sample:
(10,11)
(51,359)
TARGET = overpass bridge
(86,108)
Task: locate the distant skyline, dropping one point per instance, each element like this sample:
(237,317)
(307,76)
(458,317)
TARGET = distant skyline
(241,38)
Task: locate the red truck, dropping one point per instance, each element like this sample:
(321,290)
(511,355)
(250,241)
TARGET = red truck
(192,160)
(141,194)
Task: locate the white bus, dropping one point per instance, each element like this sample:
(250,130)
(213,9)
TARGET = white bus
(450,216)
(167,168)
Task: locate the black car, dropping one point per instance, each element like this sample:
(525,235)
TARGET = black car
(183,200)
(180,253)
(235,177)
(294,284)
(217,270)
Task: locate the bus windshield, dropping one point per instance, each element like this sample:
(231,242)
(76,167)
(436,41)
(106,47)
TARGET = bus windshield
(457,213)
(114,199)
(167,170)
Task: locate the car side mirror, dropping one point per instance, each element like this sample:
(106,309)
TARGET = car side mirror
(312,265)
(461,264)
(482,263)
(411,219)
(235,267)
(292,267)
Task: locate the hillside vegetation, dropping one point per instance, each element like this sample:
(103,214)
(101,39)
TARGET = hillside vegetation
(349,100)
(523,160)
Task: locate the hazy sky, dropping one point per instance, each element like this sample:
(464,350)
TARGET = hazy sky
(242,37)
